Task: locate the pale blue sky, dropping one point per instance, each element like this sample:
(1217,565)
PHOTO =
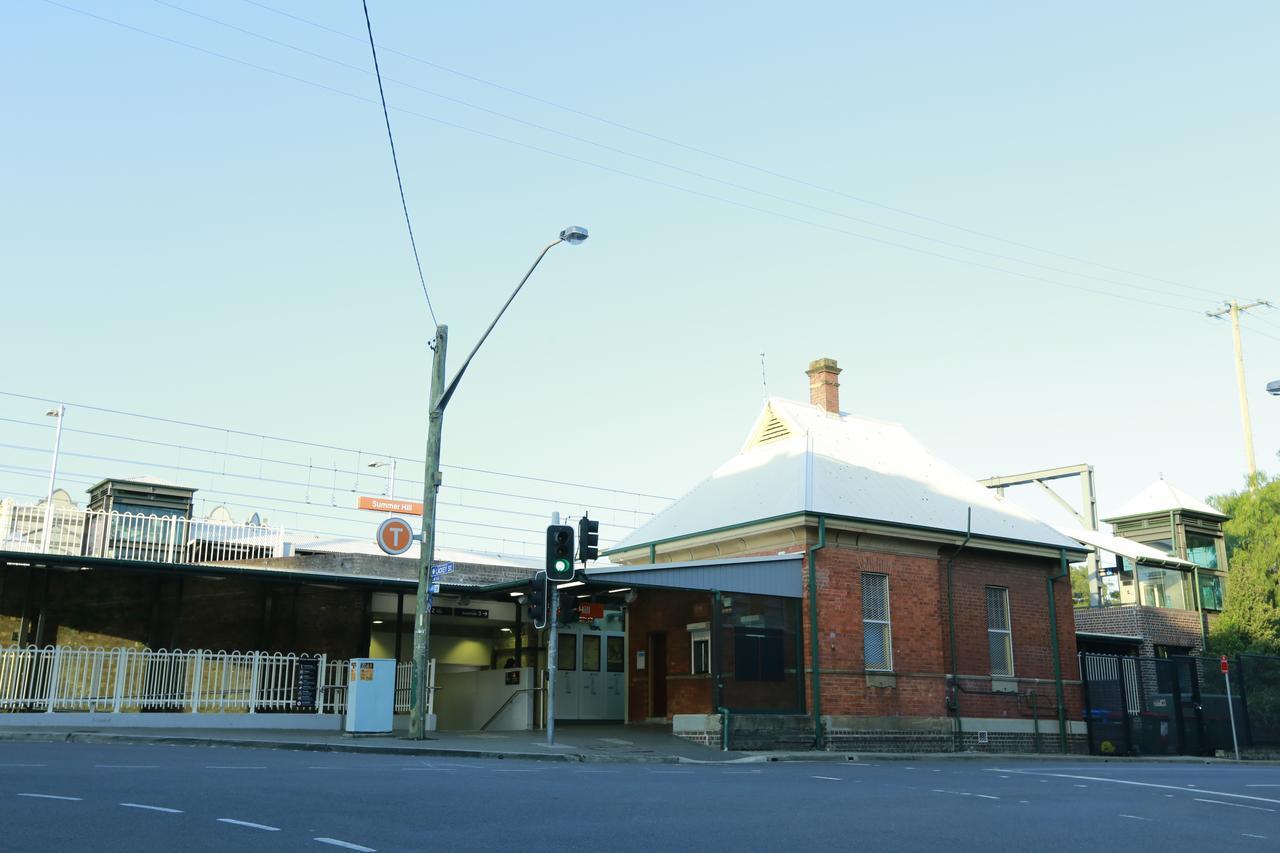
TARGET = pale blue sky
(191,237)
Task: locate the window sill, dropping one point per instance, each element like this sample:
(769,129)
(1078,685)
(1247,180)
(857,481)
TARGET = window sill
(882,679)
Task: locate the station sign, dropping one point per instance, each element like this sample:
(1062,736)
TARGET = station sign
(389,505)
(394,536)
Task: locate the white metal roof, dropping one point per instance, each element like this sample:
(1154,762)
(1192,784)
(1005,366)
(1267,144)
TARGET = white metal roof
(803,459)
(1160,496)
(1134,551)
(336,545)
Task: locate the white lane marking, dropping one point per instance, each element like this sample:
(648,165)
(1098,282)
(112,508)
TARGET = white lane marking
(1025,802)
(516,769)
(235,767)
(597,771)
(671,772)
(433,769)
(828,778)
(1134,817)
(151,808)
(1247,786)
(618,741)
(248,824)
(965,794)
(1131,782)
(1251,835)
(23,765)
(731,772)
(128,766)
(1082,786)
(51,797)
(1233,805)
(1004,777)
(345,844)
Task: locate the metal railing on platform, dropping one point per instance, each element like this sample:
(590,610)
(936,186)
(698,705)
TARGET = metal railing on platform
(136,536)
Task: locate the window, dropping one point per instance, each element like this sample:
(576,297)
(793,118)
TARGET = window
(700,647)
(758,654)
(1202,550)
(877,639)
(1211,591)
(999,635)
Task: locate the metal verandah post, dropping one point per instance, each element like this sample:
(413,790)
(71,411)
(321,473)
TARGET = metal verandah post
(419,688)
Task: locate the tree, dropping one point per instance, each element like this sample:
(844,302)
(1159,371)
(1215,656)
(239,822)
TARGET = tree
(1250,621)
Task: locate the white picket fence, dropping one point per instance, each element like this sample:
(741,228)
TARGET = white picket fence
(64,678)
(137,536)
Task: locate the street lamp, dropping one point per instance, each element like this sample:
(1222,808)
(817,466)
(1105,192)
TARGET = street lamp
(1273,387)
(391,480)
(58,413)
(439,399)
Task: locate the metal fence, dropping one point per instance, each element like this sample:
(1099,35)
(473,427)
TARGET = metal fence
(136,536)
(63,678)
(1178,705)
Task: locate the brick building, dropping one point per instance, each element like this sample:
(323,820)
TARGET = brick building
(848,589)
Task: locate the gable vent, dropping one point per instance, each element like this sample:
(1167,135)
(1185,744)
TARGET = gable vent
(773,430)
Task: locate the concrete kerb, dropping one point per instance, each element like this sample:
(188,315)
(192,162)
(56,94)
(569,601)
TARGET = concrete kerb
(320,746)
(396,746)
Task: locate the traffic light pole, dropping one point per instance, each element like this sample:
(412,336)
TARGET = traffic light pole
(553,648)
(419,690)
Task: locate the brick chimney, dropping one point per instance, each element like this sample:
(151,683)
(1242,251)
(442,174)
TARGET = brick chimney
(824,387)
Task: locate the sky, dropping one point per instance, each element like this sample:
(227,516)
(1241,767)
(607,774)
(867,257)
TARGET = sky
(1004,220)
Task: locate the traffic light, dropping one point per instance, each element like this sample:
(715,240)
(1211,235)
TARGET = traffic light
(538,601)
(588,539)
(560,552)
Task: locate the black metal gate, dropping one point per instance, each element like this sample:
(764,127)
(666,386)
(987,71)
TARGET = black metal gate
(1156,706)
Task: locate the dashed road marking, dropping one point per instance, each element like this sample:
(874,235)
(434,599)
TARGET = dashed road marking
(597,771)
(828,778)
(1247,786)
(1233,805)
(1131,782)
(23,765)
(965,794)
(151,808)
(1251,835)
(262,826)
(345,844)
(128,766)
(672,772)
(1134,817)
(52,797)
(235,767)
(1081,786)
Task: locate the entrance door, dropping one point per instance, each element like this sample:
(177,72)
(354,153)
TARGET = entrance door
(568,678)
(615,676)
(591,698)
(658,675)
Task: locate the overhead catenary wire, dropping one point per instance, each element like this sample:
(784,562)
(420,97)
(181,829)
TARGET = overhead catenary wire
(646,179)
(320,446)
(396,162)
(733,161)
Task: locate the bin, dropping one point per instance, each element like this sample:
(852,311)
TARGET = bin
(371,695)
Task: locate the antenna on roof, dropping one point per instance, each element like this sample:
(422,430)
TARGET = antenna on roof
(764,377)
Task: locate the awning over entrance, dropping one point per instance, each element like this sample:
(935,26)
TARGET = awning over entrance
(777,576)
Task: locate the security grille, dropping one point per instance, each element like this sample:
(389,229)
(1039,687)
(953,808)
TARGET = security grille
(999,635)
(877,639)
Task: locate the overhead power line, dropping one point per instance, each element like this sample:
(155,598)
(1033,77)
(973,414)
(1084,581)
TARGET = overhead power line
(727,159)
(654,181)
(396,162)
(681,169)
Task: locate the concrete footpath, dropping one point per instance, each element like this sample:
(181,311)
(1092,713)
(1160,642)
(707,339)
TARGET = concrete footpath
(574,743)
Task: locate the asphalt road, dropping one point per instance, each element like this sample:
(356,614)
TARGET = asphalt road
(86,797)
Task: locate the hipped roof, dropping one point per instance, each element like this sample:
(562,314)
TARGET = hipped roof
(802,459)
(1161,496)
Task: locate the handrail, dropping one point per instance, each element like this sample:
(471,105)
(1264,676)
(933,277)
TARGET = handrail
(504,705)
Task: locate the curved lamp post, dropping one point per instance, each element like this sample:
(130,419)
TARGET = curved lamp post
(440,396)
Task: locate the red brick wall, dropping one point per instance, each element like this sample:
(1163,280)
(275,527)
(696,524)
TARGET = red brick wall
(921,653)
(667,612)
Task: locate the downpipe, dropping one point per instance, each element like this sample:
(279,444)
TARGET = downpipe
(954,686)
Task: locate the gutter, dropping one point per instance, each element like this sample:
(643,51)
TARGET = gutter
(815,679)
(951,629)
(1064,571)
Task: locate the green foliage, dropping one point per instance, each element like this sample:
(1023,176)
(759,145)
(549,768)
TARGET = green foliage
(1080,586)
(1251,620)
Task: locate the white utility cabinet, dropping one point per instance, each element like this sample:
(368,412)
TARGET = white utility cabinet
(371,694)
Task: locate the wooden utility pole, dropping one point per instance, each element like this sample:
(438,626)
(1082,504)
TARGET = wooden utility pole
(1233,309)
